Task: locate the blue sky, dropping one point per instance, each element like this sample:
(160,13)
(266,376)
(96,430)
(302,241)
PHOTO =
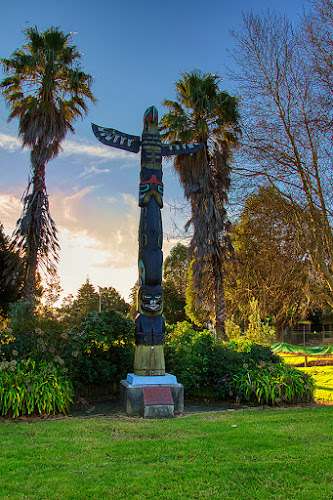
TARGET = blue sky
(135,51)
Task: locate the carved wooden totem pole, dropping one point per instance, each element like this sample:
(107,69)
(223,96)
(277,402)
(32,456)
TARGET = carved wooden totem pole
(149,325)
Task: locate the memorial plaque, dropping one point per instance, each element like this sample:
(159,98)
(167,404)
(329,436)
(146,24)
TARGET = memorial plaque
(157,395)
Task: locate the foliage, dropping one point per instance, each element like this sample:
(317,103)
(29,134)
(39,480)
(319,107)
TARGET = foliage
(111,299)
(37,336)
(87,299)
(105,344)
(28,387)
(218,370)
(98,350)
(198,314)
(133,297)
(11,273)
(237,339)
(175,270)
(205,114)
(46,89)
(188,354)
(284,74)
(272,263)
(268,383)
(52,292)
(257,331)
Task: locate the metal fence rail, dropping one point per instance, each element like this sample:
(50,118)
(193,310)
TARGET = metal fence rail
(305,337)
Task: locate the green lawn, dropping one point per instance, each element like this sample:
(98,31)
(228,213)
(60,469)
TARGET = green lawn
(253,454)
(292,359)
(323,376)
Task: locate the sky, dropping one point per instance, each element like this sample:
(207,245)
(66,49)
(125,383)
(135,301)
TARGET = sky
(135,51)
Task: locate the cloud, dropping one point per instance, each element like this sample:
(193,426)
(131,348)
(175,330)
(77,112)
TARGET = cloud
(93,170)
(98,236)
(111,227)
(82,147)
(10,209)
(66,203)
(87,148)
(10,143)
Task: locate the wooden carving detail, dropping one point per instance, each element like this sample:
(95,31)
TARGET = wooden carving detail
(150,324)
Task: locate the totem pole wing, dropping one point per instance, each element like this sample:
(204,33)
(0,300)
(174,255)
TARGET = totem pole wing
(116,139)
(180,149)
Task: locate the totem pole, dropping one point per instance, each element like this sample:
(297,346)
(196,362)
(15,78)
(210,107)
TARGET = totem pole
(149,325)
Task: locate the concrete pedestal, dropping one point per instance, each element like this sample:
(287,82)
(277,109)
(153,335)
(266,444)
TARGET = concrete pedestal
(133,403)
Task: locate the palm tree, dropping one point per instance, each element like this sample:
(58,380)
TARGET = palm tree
(203,113)
(47,91)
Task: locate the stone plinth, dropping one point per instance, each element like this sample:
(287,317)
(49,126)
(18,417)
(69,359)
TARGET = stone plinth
(133,398)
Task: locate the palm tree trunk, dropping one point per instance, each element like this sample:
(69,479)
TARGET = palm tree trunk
(32,223)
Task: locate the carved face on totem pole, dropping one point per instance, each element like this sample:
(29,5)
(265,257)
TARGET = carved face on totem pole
(151,187)
(150,300)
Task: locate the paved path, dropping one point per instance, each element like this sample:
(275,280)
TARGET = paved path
(113,408)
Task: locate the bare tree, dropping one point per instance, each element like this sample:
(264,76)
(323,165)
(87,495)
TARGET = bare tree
(286,121)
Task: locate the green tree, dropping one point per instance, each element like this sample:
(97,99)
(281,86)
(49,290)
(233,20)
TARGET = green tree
(52,291)
(175,271)
(112,300)
(87,299)
(205,114)
(201,313)
(47,91)
(11,273)
(272,263)
(257,332)
(133,297)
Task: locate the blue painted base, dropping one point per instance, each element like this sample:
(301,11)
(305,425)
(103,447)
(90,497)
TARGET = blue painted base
(166,379)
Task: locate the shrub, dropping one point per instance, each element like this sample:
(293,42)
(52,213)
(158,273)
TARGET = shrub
(187,354)
(29,387)
(105,348)
(200,364)
(34,336)
(98,350)
(259,353)
(210,369)
(272,384)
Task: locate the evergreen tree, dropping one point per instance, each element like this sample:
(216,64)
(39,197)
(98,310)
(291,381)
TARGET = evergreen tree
(11,273)
(87,298)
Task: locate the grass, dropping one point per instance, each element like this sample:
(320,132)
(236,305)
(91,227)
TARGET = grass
(252,454)
(292,359)
(323,376)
